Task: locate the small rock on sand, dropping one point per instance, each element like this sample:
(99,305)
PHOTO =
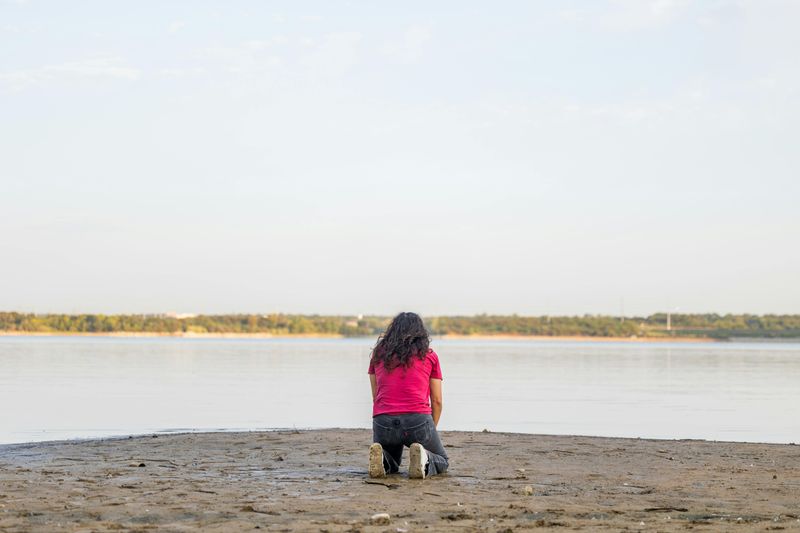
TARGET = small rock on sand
(380,518)
(528,491)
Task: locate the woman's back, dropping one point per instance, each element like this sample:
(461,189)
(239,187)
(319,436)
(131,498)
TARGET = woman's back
(406,381)
(405,389)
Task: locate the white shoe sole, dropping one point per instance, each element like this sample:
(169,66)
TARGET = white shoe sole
(376,461)
(418,458)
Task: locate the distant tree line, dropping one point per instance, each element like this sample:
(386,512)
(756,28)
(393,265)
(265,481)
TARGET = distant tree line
(683,325)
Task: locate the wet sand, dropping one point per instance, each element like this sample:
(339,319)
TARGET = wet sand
(316,481)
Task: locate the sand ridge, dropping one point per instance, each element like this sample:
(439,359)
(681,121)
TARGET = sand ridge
(316,481)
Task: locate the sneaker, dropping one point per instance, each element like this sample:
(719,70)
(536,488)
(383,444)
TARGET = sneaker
(376,468)
(418,459)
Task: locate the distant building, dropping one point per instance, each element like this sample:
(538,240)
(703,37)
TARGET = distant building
(180,316)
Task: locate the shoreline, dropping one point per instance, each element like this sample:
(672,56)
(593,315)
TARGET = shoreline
(480,337)
(316,480)
(180,335)
(576,338)
(4,447)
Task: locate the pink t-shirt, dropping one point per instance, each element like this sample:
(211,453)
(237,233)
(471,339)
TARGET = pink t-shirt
(405,390)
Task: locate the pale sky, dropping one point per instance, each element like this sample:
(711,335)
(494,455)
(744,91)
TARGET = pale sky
(370,157)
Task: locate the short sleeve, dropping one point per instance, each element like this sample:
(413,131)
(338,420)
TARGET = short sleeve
(371,369)
(436,368)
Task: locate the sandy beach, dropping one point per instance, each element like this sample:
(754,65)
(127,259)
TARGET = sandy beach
(192,335)
(316,481)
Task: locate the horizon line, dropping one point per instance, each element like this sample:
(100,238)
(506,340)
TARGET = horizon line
(173,314)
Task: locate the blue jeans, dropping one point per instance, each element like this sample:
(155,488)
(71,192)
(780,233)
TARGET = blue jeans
(395,431)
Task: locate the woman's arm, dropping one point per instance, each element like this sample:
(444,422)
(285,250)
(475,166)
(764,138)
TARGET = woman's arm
(374,385)
(436,400)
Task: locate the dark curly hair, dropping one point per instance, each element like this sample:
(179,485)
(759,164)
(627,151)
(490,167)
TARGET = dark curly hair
(406,337)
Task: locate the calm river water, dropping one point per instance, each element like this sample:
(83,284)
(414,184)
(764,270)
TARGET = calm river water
(74,387)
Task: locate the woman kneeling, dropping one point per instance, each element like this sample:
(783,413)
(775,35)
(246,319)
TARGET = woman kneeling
(406,383)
